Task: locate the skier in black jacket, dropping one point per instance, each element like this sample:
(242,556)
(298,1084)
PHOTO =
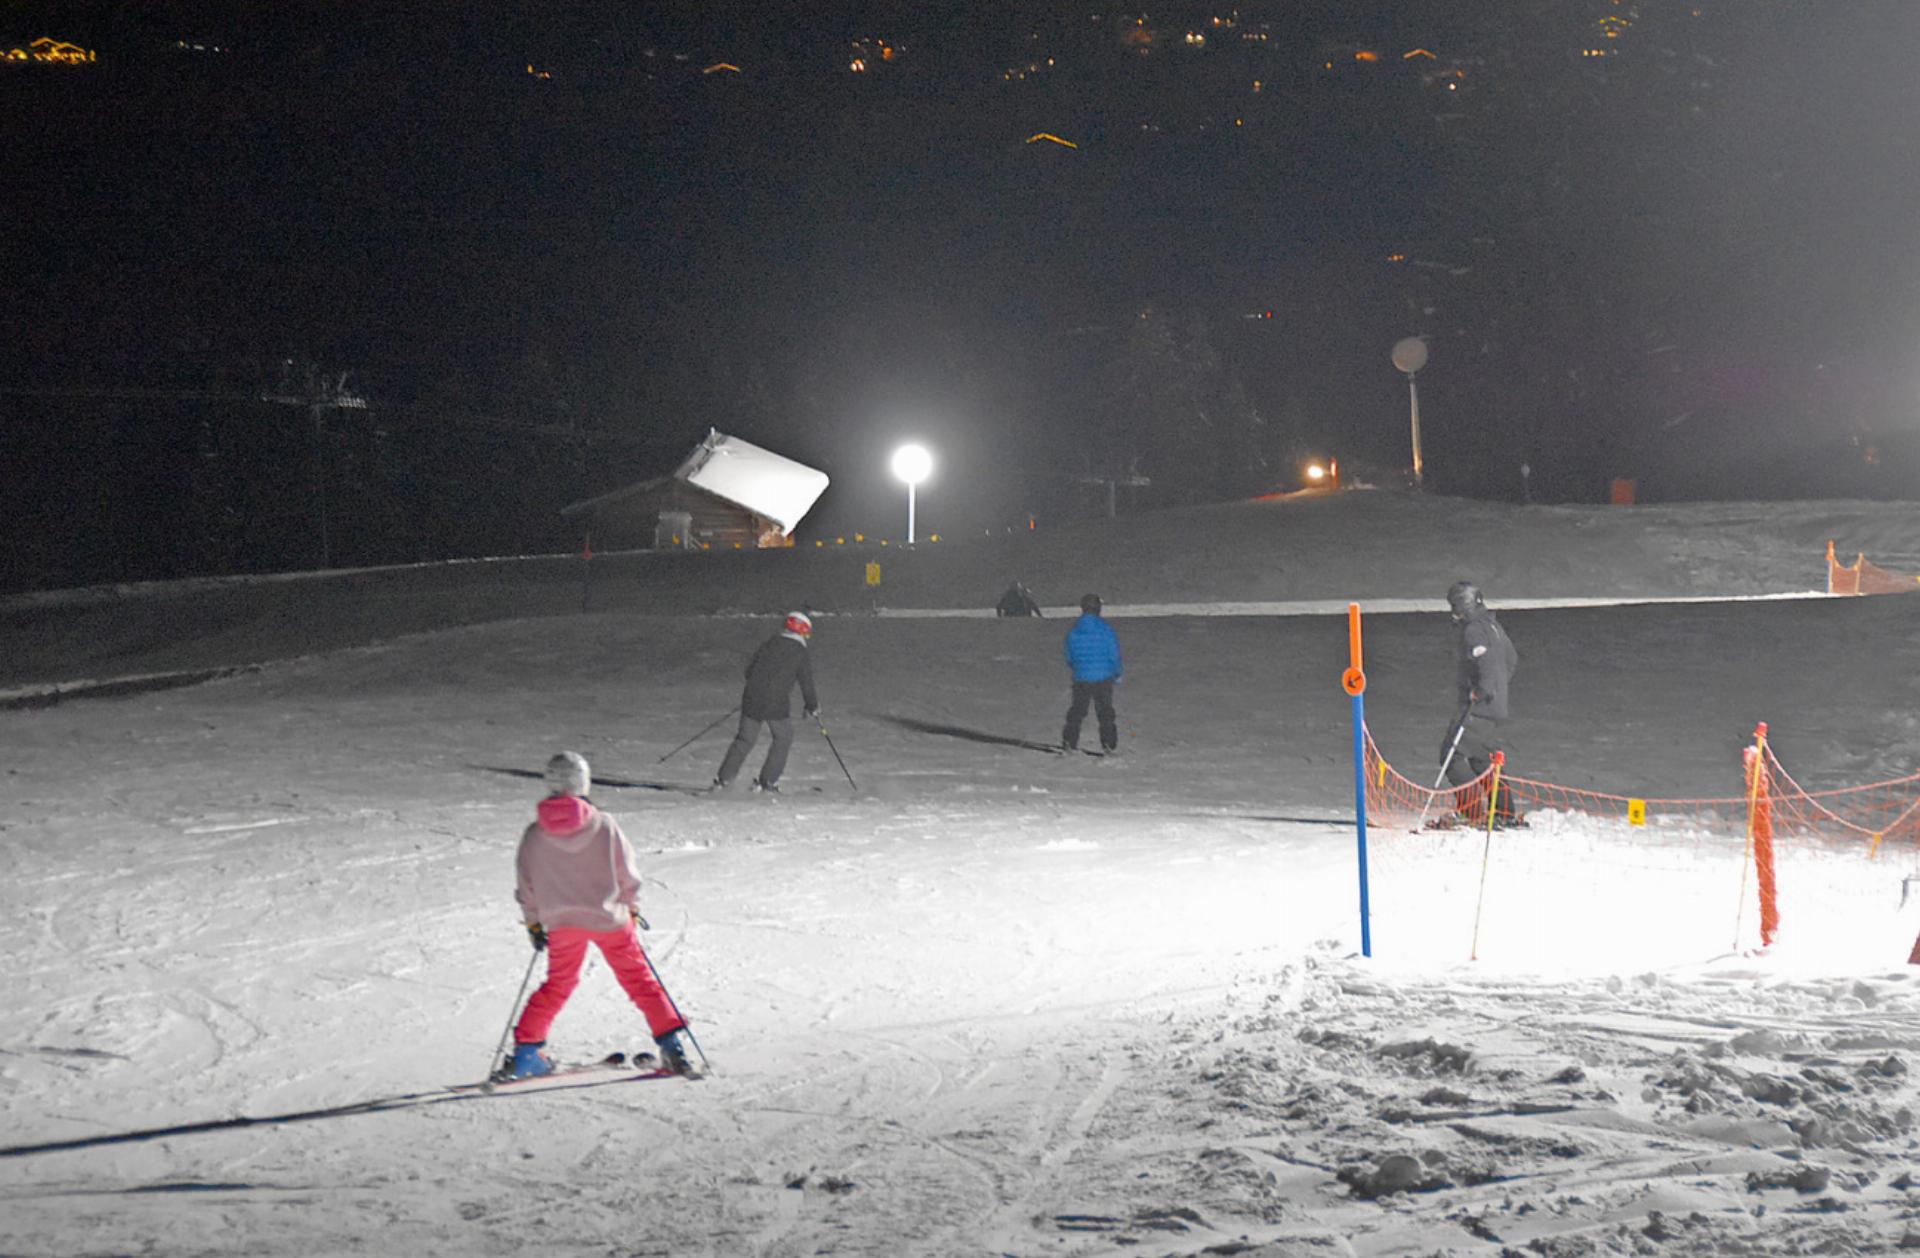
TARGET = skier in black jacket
(1018,601)
(1484,660)
(766,700)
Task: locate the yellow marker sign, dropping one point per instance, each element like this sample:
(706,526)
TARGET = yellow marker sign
(1636,812)
(873,573)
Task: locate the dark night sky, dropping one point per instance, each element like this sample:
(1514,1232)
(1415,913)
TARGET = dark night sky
(1691,262)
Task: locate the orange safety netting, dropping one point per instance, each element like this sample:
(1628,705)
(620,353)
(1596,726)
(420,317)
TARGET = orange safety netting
(1862,577)
(1774,817)
(1868,819)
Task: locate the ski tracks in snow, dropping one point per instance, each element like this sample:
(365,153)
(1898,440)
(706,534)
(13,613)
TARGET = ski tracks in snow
(1555,1117)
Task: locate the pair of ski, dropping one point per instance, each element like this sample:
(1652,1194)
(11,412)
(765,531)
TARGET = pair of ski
(1453,821)
(613,1068)
(1053,749)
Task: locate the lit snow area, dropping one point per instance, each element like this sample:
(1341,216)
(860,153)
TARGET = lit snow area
(995,1001)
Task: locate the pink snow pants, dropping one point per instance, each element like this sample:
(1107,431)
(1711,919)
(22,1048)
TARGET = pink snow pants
(566,950)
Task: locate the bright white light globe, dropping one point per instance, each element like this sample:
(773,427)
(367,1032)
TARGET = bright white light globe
(912,464)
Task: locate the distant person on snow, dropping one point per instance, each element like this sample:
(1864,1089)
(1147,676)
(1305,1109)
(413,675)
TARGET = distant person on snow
(767,700)
(578,886)
(1017,601)
(1093,653)
(1484,660)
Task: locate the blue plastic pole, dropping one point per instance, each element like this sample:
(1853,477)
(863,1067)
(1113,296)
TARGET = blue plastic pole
(1360,816)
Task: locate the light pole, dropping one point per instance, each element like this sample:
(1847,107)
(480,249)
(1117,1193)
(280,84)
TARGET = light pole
(912,464)
(1410,355)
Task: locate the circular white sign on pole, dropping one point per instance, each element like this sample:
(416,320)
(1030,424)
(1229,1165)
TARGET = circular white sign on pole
(912,464)
(1410,355)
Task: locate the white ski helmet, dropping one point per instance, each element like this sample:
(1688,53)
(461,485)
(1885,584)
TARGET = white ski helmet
(567,774)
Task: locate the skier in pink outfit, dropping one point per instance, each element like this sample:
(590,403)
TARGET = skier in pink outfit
(578,886)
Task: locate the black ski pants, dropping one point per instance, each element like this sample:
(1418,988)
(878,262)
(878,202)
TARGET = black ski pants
(749,733)
(1100,695)
(1474,757)
(1475,753)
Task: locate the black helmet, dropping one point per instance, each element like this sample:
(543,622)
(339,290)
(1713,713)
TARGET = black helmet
(1090,604)
(1464,598)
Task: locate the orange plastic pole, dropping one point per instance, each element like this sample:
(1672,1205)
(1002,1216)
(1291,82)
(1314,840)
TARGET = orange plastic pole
(1763,846)
(1760,839)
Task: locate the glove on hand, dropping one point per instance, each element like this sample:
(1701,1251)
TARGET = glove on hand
(538,934)
(814,713)
(639,921)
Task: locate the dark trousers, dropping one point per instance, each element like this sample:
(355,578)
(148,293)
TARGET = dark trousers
(1472,758)
(1100,695)
(776,762)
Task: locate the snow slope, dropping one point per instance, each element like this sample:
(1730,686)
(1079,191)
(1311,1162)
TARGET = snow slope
(994,1001)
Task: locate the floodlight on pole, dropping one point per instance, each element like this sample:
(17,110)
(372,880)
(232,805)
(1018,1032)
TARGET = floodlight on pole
(1410,355)
(912,464)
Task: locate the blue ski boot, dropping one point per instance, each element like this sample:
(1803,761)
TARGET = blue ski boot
(529,1062)
(673,1053)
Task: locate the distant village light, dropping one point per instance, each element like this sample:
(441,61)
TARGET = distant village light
(50,51)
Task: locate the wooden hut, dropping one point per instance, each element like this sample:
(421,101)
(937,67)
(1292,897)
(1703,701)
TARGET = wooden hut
(728,494)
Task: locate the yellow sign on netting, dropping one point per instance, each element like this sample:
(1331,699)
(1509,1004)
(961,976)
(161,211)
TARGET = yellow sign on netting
(873,573)
(1636,812)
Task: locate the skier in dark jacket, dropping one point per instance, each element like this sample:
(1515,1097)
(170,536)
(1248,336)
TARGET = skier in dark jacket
(1484,660)
(1093,653)
(1017,601)
(767,699)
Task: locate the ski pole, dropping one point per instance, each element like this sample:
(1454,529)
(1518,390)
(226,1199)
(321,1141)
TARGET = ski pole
(697,737)
(1486,857)
(835,750)
(1453,745)
(501,1048)
(706,1066)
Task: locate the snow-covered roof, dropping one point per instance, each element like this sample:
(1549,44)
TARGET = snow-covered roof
(763,482)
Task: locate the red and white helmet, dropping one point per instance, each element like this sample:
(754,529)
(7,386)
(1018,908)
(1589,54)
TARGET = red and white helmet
(800,623)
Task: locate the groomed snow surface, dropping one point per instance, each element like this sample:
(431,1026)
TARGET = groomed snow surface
(994,1001)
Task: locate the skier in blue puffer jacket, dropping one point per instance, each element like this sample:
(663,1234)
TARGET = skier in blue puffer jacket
(1093,653)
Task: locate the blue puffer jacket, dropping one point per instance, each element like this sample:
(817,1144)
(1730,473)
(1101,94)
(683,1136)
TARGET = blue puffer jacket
(1093,652)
